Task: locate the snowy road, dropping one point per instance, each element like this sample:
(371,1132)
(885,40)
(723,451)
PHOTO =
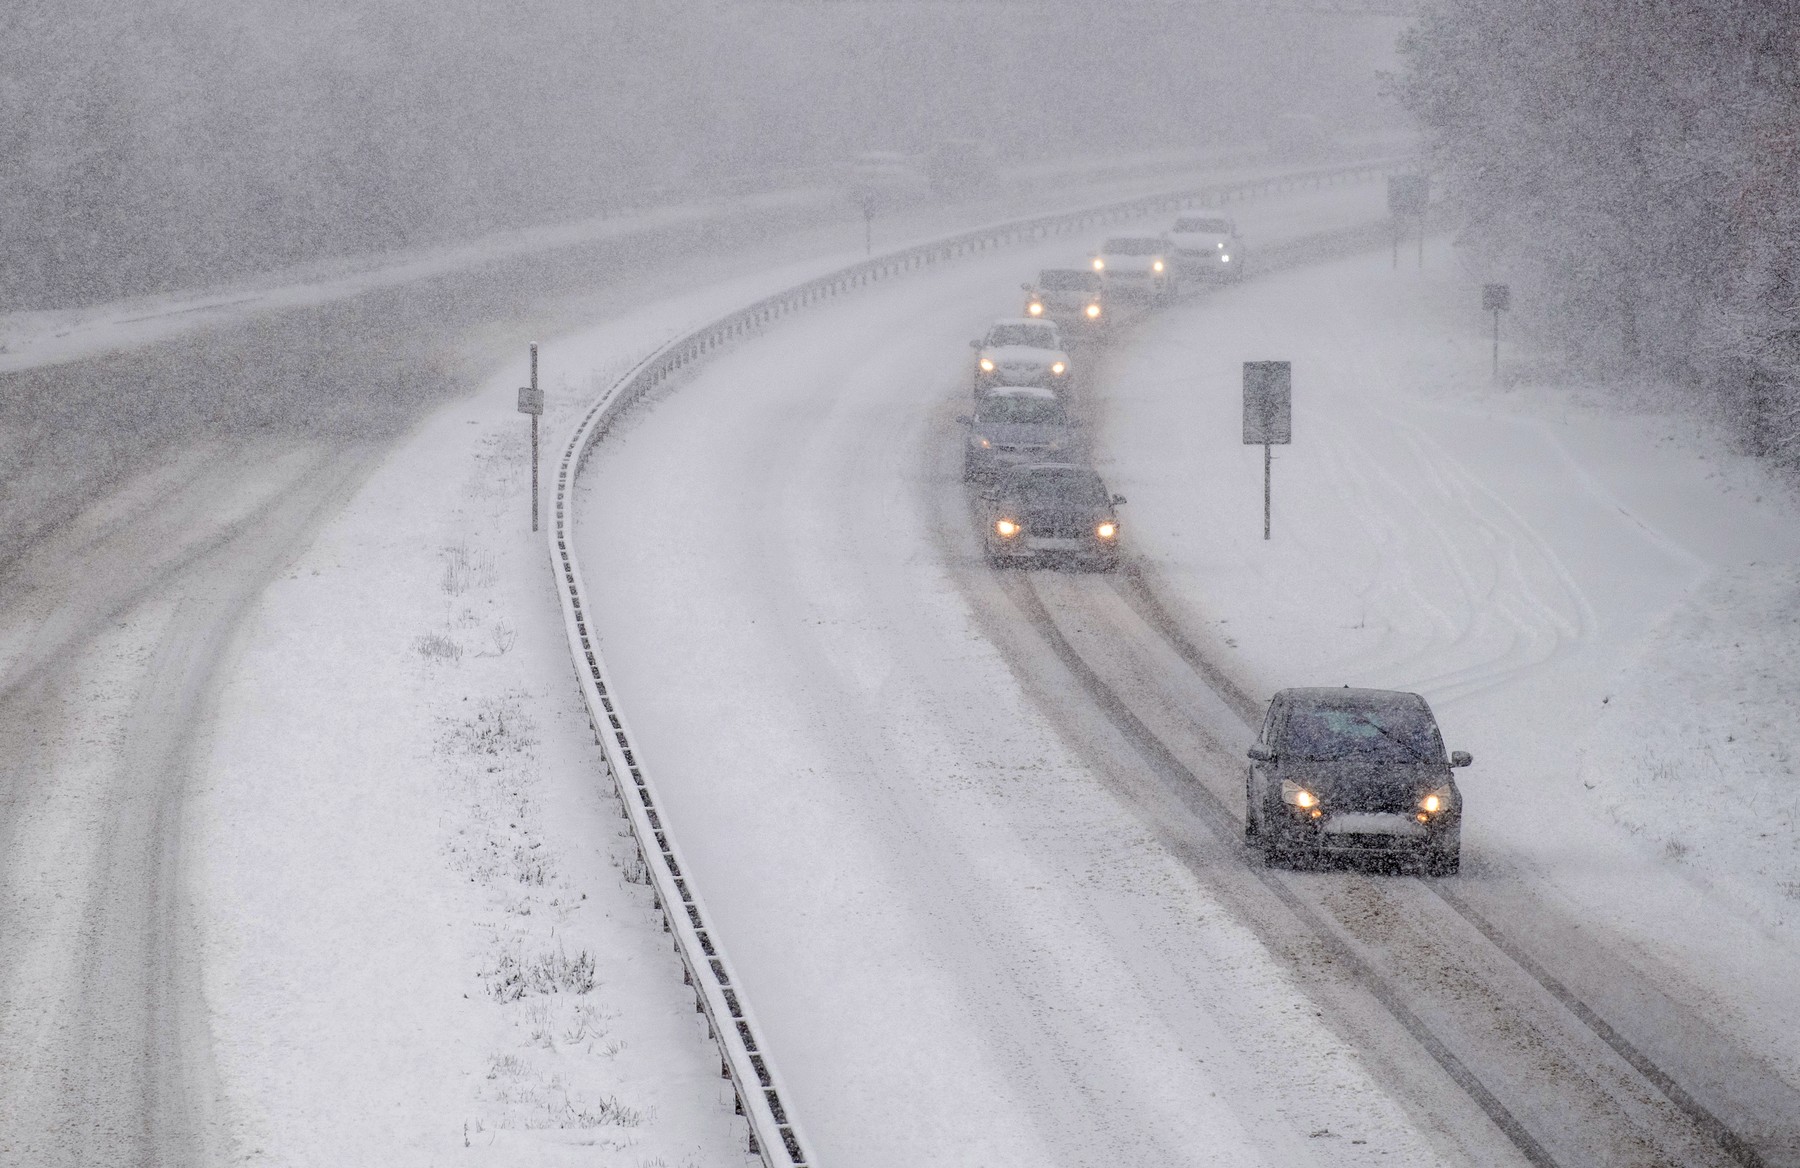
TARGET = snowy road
(972,839)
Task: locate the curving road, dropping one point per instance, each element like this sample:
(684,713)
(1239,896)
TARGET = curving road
(973,838)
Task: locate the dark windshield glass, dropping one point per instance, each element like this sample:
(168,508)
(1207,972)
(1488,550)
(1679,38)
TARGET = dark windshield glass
(1132,246)
(1035,336)
(1069,281)
(1376,733)
(1038,410)
(1072,488)
(1218,226)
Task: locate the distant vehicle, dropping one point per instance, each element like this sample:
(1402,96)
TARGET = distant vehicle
(957,168)
(1207,247)
(1014,424)
(1068,296)
(886,178)
(1354,772)
(1020,351)
(1136,265)
(1053,512)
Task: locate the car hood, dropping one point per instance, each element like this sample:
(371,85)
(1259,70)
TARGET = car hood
(1362,785)
(1063,513)
(1023,354)
(1021,433)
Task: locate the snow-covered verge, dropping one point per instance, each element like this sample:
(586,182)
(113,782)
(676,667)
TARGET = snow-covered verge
(427,933)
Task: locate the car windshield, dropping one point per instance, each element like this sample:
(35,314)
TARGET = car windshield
(1078,488)
(1068,280)
(1009,408)
(1132,246)
(1036,336)
(1216,226)
(1375,733)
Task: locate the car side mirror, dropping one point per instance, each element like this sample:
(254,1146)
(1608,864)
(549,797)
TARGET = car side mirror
(1461,758)
(1118,500)
(1260,753)
(964,420)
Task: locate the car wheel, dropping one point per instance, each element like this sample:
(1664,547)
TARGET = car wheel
(1447,862)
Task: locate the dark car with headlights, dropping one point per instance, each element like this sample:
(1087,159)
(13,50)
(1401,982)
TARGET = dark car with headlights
(1354,773)
(1072,297)
(1051,512)
(1012,425)
(1020,351)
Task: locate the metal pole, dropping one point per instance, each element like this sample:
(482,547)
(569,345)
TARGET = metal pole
(1496,344)
(1266,464)
(534,442)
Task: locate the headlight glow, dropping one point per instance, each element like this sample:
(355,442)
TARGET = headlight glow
(1006,528)
(1099,264)
(987,364)
(1220,246)
(1107,530)
(1093,312)
(985,444)
(1224,259)
(1035,309)
(1435,801)
(1156,266)
(1058,368)
(1294,795)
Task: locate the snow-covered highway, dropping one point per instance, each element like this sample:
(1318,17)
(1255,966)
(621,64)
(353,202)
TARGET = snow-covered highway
(970,838)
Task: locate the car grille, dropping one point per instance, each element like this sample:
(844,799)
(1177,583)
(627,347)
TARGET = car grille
(1059,527)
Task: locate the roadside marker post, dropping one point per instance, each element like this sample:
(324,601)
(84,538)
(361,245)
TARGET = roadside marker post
(1268,416)
(531,401)
(1496,298)
(1408,194)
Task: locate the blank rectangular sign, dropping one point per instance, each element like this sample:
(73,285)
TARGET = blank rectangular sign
(1268,403)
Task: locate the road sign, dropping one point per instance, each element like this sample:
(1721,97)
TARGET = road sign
(1496,297)
(1268,398)
(1408,194)
(531,400)
(1268,415)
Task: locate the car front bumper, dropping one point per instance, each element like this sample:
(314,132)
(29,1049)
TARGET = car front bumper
(1361,833)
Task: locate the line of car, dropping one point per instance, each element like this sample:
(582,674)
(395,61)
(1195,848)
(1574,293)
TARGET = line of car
(1335,773)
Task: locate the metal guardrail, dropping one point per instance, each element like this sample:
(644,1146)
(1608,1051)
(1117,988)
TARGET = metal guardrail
(774,1135)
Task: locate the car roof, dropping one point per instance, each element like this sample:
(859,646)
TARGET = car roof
(1019,391)
(1112,239)
(1346,696)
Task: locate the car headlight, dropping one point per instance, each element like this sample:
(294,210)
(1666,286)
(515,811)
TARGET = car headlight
(1107,530)
(987,364)
(1099,264)
(1220,246)
(1093,312)
(1034,308)
(1156,265)
(985,444)
(1294,795)
(1057,368)
(1225,259)
(1436,801)
(1006,528)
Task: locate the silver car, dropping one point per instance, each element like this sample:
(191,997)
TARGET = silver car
(1012,425)
(1020,351)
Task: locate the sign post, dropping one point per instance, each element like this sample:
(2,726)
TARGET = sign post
(1408,194)
(1268,416)
(1496,298)
(531,401)
(868,212)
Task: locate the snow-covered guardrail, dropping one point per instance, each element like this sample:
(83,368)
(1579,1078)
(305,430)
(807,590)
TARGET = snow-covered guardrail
(719,994)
